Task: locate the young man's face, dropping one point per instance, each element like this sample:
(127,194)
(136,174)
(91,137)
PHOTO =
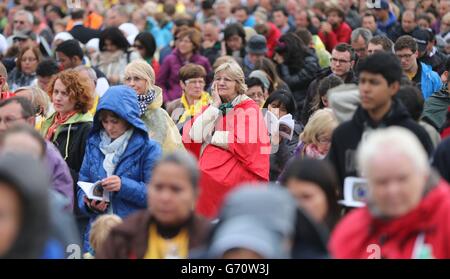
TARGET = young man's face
(374,48)
(374,90)
(341,62)
(407,59)
(279,19)
(334,19)
(241,16)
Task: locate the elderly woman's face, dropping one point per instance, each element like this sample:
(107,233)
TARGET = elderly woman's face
(137,83)
(395,184)
(193,87)
(171,196)
(225,85)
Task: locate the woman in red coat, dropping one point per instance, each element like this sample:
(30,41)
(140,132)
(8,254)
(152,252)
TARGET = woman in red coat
(408,209)
(235,143)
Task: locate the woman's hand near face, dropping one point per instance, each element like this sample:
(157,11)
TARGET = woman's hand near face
(112,183)
(216,101)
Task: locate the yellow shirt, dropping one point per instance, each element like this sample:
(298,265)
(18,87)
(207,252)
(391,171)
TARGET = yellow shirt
(410,75)
(161,248)
(192,110)
(94,107)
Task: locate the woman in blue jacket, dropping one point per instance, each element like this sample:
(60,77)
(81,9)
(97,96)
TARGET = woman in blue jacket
(120,155)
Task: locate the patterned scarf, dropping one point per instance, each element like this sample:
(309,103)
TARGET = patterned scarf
(113,150)
(226,107)
(58,120)
(145,100)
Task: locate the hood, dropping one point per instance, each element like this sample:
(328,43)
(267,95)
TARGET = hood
(30,180)
(443,93)
(122,100)
(396,114)
(158,101)
(271,205)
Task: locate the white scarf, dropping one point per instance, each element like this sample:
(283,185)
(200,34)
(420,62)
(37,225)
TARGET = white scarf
(113,150)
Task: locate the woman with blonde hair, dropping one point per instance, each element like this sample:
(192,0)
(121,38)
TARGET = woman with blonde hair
(40,100)
(140,76)
(315,140)
(235,145)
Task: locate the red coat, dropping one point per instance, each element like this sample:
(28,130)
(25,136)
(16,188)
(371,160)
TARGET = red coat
(341,34)
(355,235)
(245,160)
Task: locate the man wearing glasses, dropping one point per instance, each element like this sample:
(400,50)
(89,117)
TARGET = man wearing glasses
(420,74)
(341,64)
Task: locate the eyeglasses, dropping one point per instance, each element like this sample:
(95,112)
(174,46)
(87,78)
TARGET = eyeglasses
(10,120)
(138,46)
(407,56)
(195,81)
(341,61)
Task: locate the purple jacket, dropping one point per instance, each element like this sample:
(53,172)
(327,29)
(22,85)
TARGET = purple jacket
(59,171)
(168,78)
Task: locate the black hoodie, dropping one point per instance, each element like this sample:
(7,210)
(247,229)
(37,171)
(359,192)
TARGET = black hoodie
(29,179)
(347,136)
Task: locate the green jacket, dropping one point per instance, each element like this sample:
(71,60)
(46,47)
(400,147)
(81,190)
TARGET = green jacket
(435,108)
(77,118)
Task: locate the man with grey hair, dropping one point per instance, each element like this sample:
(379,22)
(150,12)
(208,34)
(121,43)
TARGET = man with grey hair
(402,189)
(23,26)
(222,10)
(116,16)
(360,41)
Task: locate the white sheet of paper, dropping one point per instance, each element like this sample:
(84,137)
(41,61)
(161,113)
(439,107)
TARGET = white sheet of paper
(88,189)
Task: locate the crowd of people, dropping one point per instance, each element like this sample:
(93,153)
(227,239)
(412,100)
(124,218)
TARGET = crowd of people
(225,129)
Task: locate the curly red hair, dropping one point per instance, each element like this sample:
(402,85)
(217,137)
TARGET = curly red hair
(79,89)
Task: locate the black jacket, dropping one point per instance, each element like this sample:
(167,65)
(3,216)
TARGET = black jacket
(84,34)
(306,109)
(298,81)
(77,142)
(347,136)
(212,53)
(397,31)
(441,159)
(286,149)
(436,61)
